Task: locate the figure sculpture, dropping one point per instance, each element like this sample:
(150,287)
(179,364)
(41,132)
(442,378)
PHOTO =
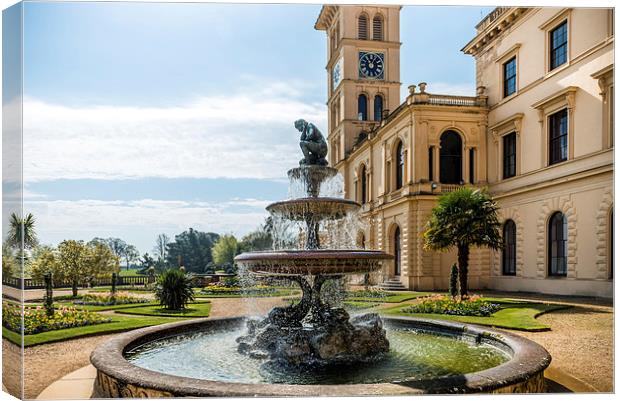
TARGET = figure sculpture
(312,144)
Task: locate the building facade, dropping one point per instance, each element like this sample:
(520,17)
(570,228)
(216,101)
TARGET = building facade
(538,134)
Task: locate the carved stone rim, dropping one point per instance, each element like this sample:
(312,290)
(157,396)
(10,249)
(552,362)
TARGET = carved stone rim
(528,360)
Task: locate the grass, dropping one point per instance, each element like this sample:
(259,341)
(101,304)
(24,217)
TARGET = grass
(393,297)
(130,272)
(118,324)
(101,308)
(515,315)
(198,309)
(359,305)
(278,293)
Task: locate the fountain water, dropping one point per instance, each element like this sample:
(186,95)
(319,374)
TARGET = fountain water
(313,332)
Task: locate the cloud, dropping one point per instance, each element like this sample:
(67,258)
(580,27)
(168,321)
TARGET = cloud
(445,88)
(242,135)
(139,221)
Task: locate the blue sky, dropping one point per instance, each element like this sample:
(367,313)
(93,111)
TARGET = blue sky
(141,118)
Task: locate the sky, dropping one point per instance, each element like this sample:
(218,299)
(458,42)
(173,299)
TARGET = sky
(148,118)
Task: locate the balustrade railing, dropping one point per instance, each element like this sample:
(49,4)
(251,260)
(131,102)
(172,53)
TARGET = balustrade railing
(451,100)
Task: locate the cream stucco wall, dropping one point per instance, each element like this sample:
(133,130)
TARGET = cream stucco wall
(581,187)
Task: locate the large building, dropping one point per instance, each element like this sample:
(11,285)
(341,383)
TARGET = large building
(538,134)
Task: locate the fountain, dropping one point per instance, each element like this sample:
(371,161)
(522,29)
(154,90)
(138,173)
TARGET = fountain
(313,347)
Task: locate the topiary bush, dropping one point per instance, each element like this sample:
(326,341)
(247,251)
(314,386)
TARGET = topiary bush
(174,289)
(454,281)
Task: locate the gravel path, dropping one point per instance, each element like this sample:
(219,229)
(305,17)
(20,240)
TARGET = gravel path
(581,344)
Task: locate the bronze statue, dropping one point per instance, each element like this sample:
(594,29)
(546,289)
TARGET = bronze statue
(312,144)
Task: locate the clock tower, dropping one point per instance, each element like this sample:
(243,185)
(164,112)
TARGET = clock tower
(363,69)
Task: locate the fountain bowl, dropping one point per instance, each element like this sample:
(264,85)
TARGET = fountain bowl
(117,377)
(301,209)
(325,262)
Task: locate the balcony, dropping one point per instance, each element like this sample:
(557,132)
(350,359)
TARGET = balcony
(423,97)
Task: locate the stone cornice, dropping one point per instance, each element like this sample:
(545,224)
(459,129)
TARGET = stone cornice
(325,17)
(505,18)
(512,123)
(566,94)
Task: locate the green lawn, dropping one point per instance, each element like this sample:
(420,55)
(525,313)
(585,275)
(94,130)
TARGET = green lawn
(393,297)
(130,272)
(278,293)
(516,315)
(119,323)
(198,309)
(100,308)
(359,305)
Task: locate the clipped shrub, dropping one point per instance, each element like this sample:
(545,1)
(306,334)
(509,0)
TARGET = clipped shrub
(174,289)
(48,300)
(454,281)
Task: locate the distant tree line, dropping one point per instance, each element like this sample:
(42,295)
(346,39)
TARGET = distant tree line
(80,262)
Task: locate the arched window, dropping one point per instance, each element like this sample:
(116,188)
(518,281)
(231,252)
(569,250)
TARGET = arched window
(400,165)
(397,251)
(451,158)
(377,27)
(509,253)
(558,244)
(362,107)
(362,27)
(378,107)
(363,189)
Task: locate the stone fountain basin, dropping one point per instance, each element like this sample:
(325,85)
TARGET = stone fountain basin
(321,261)
(301,209)
(117,377)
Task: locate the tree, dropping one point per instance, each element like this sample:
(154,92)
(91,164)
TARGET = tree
(73,262)
(257,240)
(130,254)
(463,218)
(102,261)
(9,264)
(146,261)
(161,246)
(44,261)
(22,230)
(116,245)
(225,250)
(76,262)
(193,248)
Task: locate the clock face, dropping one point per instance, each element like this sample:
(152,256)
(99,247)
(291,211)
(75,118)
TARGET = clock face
(371,65)
(337,74)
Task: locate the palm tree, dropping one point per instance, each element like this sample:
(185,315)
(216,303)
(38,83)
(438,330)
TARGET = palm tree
(22,230)
(463,218)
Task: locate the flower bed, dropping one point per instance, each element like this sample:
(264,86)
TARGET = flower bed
(37,321)
(472,306)
(109,299)
(217,289)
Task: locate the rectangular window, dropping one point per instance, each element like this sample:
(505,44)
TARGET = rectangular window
(510,76)
(510,155)
(472,159)
(430,163)
(558,45)
(558,137)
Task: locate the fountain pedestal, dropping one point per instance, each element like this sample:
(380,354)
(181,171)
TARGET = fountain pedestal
(312,332)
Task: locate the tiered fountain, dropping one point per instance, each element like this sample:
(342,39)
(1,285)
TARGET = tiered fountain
(313,331)
(314,347)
